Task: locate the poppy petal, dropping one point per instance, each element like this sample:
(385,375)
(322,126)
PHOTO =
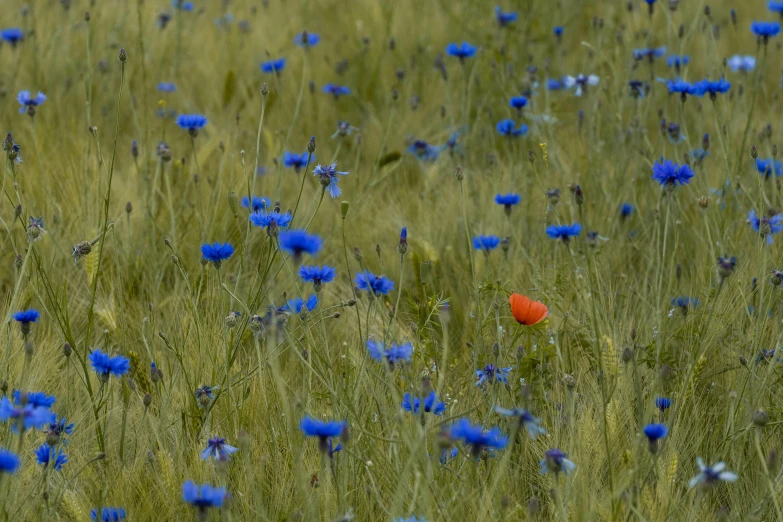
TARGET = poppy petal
(525,311)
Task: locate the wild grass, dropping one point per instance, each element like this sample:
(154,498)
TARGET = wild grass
(612,343)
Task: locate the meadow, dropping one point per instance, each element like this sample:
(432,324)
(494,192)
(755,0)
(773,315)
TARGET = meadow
(401,261)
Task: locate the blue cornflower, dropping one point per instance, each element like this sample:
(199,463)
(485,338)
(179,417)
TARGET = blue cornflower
(29,103)
(9,461)
(765,30)
(553,84)
(654,433)
(775,6)
(709,475)
(46,454)
(298,242)
(766,226)
(738,63)
(507,128)
(394,354)
(684,303)
(217,252)
(205,394)
(448,455)
(669,174)
(336,90)
(377,284)
(184,6)
(267,219)
(683,88)
(273,66)
(305,39)
(504,19)
(532,424)
(331,449)
(492,373)
(218,449)
(329,178)
(649,54)
(109,514)
(30,416)
(12,35)
(626,209)
(699,154)
(581,82)
(104,364)
(558,31)
(663,403)
(486,243)
(678,61)
(56,429)
(508,201)
(476,437)
(192,123)
(714,87)
(317,275)
(167,87)
(555,461)
(259,203)
(296,161)
(564,232)
(461,51)
(204,496)
(423,150)
(35,399)
(25,318)
(298,305)
(324,430)
(517,102)
(428,404)
(769,166)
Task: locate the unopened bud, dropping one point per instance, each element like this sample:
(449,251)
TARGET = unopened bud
(760,418)
(123,55)
(233,201)
(311,145)
(344,205)
(264,89)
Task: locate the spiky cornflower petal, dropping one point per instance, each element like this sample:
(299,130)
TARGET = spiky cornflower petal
(273,66)
(105,365)
(486,243)
(555,461)
(461,51)
(191,122)
(203,496)
(9,461)
(564,232)
(218,449)
(47,455)
(376,284)
(393,353)
(109,514)
(298,242)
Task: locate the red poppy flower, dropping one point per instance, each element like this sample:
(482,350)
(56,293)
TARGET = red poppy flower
(525,311)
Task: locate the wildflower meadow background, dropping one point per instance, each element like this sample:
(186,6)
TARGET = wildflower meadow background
(391,261)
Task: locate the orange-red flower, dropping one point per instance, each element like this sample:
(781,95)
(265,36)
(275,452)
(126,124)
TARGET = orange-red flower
(525,311)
